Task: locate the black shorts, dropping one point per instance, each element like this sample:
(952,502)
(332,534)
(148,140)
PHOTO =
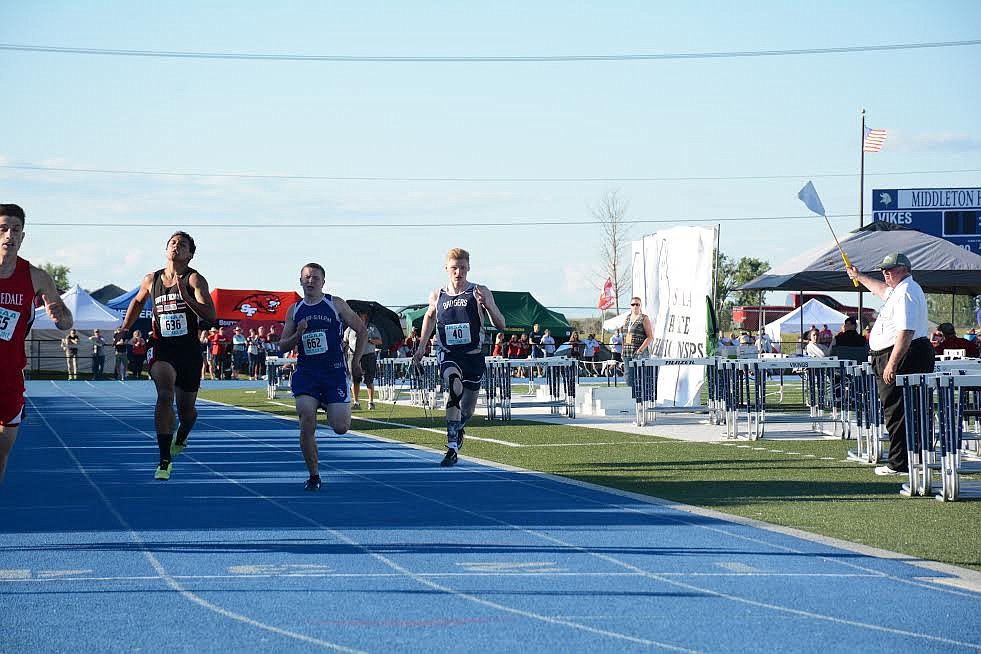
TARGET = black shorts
(369,369)
(471,366)
(187,362)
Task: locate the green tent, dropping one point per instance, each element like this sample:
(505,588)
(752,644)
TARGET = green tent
(521,310)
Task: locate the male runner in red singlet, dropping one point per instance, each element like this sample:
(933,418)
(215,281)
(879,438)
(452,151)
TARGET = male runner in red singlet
(20,283)
(180,301)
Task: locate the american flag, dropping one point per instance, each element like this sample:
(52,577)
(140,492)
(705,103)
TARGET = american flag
(874,138)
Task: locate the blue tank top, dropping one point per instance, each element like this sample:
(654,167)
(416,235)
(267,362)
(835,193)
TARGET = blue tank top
(459,322)
(321,345)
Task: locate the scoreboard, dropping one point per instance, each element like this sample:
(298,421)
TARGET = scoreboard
(950,213)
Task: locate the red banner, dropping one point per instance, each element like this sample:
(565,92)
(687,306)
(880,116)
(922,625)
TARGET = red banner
(607,299)
(265,306)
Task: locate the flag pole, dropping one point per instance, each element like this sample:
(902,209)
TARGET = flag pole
(861,210)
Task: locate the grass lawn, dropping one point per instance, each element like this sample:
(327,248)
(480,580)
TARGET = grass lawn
(806,485)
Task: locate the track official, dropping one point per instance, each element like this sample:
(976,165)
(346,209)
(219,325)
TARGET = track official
(900,345)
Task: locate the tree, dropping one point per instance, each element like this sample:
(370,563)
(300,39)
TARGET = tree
(59,274)
(611,214)
(731,275)
(963,314)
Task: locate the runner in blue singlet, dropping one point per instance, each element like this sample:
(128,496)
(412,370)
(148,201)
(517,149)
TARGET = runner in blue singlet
(315,326)
(456,313)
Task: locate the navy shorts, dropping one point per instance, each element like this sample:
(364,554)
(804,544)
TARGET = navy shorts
(327,387)
(471,366)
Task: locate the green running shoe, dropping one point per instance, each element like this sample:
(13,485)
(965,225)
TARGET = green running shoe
(163,471)
(177,447)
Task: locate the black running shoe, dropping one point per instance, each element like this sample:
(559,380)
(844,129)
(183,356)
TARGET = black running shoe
(459,439)
(313,484)
(450,459)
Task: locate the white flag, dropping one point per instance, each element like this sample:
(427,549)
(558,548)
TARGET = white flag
(809,197)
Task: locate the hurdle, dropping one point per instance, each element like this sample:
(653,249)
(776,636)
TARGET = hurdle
(864,411)
(958,403)
(646,373)
(559,388)
(744,390)
(275,380)
(392,377)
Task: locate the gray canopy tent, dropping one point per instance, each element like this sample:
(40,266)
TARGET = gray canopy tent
(938,265)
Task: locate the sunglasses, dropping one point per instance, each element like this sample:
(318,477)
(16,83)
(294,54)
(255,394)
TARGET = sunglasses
(634,304)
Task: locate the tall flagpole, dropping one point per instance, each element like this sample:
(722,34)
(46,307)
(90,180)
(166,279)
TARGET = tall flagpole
(861,209)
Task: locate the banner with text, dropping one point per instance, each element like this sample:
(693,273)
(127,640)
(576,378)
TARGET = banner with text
(672,275)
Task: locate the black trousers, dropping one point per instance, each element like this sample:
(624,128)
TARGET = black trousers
(919,358)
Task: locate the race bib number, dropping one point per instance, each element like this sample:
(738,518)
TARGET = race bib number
(173,324)
(458,333)
(314,343)
(8,322)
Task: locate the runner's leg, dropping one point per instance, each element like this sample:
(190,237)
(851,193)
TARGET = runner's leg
(8,434)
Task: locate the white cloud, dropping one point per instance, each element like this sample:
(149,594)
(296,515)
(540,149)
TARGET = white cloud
(936,142)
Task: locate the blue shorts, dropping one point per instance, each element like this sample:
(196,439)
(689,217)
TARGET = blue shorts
(330,387)
(471,366)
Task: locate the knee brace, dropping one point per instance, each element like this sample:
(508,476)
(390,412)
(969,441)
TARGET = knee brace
(455,389)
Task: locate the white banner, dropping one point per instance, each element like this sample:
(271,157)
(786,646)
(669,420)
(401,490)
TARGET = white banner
(672,275)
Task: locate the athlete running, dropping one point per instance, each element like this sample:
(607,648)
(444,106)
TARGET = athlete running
(457,314)
(20,284)
(181,301)
(315,326)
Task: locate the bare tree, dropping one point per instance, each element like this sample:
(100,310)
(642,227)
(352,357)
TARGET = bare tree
(611,213)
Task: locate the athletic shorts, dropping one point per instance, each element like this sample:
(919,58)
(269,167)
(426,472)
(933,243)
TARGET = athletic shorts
(471,366)
(327,387)
(369,369)
(186,361)
(11,405)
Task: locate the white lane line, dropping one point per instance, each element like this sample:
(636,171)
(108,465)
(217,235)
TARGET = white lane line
(159,568)
(682,584)
(422,580)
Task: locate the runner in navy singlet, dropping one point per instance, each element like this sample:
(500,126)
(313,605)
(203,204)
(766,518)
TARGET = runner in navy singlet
(457,315)
(20,284)
(180,301)
(315,326)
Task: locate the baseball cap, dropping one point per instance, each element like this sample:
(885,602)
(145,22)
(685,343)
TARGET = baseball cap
(946,328)
(894,260)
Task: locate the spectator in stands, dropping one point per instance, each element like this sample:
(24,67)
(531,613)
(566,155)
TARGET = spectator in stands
(814,347)
(936,337)
(971,335)
(70,345)
(590,348)
(514,350)
(205,351)
(745,338)
(240,354)
(723,339)
(98,354)
(259,363)
(616,345)
(849,336)
(120,344)
(825,337)
(251,351)
(548,343)
(214,351)
(500,347)
(763,343)
(369,360)
(137,353)
(524,352)
(272,336)
(951,341)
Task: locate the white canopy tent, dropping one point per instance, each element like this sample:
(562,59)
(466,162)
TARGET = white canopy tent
(88,313)
(616,322)
(811,313)
(44,346)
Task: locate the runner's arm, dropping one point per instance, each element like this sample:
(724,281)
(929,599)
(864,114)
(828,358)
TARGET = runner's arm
(136,304)
(200,299)
(55,307)
(486,300)
(291,331)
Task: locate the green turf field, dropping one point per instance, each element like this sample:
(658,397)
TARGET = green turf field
(807,485)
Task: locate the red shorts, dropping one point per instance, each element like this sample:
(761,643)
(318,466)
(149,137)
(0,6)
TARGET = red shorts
(11,403)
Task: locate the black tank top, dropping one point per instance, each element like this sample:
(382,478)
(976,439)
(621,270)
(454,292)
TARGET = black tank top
(173,321)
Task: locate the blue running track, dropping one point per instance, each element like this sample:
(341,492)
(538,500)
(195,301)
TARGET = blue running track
(396,554)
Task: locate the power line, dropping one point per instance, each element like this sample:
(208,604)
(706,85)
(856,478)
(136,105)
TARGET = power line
(258,56)
(331,178)
(372,225)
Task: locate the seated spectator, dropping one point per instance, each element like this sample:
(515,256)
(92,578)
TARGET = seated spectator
(951,341)
(971,335)
(936,337)
(814,347)
(849,336)
(825,337)
(745,339)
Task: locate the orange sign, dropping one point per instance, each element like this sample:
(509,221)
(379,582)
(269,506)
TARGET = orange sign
(233,304)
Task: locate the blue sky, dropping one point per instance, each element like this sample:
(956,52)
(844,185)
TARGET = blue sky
(783,119)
